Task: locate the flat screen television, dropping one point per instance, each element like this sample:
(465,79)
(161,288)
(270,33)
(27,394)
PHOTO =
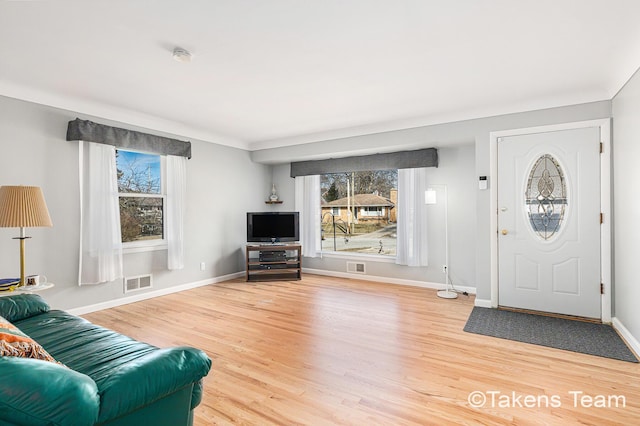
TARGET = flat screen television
(272,227)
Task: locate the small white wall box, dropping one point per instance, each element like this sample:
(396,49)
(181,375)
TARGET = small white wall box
(482,182)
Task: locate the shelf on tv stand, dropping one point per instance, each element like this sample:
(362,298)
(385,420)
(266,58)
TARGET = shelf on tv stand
(272,262)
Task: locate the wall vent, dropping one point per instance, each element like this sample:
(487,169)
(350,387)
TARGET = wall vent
(356,267)
(139,282)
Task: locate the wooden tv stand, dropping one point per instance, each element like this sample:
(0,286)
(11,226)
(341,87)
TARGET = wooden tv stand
(274,262)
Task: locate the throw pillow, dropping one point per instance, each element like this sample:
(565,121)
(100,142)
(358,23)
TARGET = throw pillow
(13,342)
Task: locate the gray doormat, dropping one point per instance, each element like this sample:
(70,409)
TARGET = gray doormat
(577,336)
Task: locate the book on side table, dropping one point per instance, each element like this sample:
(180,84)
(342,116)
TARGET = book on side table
(9,284)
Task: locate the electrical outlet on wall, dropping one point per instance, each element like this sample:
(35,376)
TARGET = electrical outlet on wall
(444,269)
(202,266)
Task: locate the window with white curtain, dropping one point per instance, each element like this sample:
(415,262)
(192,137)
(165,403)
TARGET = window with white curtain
(396,215)
(130,201)
(133,195)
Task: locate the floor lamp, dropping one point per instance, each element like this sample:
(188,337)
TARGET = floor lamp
(23,207)
(431,198)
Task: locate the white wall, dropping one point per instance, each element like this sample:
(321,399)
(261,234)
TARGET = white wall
(626,205)
(442,136)
(223,183)
(286,188)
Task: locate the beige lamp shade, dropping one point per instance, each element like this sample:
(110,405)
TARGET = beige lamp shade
(23,207)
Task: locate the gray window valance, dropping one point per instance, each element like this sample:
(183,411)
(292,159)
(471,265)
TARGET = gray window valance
(85,130)
(427,157)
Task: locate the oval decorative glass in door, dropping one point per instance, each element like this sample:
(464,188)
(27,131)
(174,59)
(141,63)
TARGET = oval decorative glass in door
(546,197)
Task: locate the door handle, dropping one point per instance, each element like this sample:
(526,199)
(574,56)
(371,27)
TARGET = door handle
(504,232)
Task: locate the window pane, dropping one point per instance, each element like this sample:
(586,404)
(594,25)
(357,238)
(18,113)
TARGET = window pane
(138,173)
(358,212)
(546,197)
(141,218)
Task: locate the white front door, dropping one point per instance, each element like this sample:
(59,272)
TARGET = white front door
(549,222)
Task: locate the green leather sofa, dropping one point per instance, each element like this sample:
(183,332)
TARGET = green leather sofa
(106,379)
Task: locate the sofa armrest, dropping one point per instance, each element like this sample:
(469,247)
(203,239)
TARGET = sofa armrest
(21,306)
(35,392)
(149,378)
(196,394)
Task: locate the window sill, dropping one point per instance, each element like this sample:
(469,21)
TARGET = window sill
(359,256)
(143,249)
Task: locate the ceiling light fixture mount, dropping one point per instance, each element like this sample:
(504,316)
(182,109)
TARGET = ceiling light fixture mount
(181,55)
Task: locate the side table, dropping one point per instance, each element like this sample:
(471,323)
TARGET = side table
(28,289)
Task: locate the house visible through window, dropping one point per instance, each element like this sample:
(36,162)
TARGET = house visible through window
(359,212)
(142,196)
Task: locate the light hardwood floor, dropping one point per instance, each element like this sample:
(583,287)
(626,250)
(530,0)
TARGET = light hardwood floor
(325,351)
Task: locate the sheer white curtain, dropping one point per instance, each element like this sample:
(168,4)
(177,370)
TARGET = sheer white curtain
(308,204)
(412,218)
(100,238)
(175,210)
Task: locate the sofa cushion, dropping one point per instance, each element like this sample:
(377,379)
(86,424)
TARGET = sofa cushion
(82,346)
(13,342)
(16,307)
(34,392)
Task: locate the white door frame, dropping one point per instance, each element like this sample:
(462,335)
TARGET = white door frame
(605,202)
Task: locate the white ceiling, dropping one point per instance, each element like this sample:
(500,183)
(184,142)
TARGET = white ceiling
(269,73)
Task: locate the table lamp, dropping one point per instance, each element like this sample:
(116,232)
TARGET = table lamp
(23,207)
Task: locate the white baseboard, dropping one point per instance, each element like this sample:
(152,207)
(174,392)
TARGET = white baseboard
(151,294)
(626,335)
(483,303)
(375,278)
